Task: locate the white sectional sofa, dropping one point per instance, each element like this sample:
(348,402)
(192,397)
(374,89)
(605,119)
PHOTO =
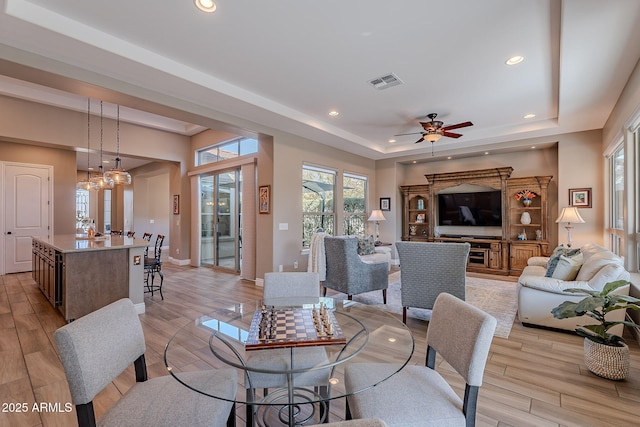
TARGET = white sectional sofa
(592,268)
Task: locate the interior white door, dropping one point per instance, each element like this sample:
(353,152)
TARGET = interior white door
(27,212)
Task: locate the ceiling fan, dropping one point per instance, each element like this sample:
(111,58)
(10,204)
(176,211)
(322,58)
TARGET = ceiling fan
(434,130)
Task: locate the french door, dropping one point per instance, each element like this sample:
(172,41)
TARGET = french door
(221,220)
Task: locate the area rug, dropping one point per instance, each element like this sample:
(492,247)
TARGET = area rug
(499,298)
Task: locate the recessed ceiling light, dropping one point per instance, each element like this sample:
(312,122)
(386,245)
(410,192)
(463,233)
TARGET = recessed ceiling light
(529,116)
(392,140)
(515,60)
(415,161)
(486,152)
(533,147)
(206,5)
(333,113)
(449,158)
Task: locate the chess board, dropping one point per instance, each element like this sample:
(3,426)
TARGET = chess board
(293,328)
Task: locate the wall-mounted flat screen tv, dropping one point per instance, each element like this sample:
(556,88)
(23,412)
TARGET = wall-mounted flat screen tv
(481,209)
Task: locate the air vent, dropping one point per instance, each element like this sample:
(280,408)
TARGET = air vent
(385,82)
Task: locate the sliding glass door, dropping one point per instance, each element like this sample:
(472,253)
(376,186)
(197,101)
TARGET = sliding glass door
(221,220)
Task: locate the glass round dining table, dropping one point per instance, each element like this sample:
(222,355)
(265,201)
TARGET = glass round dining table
(290,354)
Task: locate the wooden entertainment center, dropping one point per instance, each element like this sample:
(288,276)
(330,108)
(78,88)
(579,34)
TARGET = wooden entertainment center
(524,228)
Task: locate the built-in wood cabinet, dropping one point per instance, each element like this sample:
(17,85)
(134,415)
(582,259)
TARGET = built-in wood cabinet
(416,213)
(525,227)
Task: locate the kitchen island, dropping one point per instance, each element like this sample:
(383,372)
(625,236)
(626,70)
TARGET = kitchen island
(79,275)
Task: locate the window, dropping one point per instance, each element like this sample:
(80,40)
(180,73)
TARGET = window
(616,222)
(82,209)
(226,150)
(354,201)
(318,188)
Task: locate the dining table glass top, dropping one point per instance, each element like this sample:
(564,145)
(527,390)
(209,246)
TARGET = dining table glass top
(225,338)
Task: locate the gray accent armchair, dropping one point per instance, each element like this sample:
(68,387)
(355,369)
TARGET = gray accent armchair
(418,395)
(347,273)
(428,269)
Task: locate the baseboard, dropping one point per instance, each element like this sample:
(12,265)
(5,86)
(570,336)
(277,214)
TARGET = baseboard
(180,262)
(140,308)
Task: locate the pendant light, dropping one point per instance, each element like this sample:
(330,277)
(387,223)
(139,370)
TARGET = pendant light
(118,175)
(88,184)
(100,179)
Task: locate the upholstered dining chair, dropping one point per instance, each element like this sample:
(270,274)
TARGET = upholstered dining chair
(429,268)
(96,348)
(347,273)
(288,288)
(418,395)
(153,266)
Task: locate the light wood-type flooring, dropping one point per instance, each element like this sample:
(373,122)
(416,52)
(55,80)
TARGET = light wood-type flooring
(534,378)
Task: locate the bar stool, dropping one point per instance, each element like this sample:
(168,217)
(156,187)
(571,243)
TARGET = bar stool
(131,233)
(153,266)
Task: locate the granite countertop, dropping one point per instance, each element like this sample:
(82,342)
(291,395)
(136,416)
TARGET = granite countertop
(79,242)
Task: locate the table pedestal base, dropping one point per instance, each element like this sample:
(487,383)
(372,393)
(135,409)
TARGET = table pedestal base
(275,411)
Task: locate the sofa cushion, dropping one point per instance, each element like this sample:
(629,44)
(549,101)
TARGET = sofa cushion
(366,246)
(594,262)
(567,267)
(555,258)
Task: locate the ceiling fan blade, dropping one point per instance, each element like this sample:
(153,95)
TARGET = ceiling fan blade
(420,140)
(458,126)
(412,133)
(451,134)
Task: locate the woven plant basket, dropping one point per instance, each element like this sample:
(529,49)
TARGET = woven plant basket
(607,361)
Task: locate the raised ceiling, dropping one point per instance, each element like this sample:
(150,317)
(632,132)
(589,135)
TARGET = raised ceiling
(286,64)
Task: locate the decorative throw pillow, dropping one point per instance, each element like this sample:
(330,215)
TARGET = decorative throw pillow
(555,258)
(366,246)
(568,267)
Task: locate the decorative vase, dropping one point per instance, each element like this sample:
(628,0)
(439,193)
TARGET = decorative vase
(607,361)
(526,202)
(525,218)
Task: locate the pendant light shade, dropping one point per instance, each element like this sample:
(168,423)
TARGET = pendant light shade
(99,179)
(87,184)
(118,175)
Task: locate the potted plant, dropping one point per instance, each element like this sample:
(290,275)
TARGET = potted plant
(605,354)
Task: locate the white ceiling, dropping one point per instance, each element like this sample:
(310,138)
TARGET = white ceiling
(285,64)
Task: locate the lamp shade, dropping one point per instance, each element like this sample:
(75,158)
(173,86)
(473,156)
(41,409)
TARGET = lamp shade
(570,214)
(376,215)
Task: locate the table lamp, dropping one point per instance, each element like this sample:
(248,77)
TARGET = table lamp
(569,215)
(376,215)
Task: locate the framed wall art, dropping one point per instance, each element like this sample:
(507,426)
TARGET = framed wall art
(264,199)
(580,197)
(385,203)
(176,204)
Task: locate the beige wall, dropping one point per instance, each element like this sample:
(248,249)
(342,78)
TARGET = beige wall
(290,153)
(34,126)
(64,178)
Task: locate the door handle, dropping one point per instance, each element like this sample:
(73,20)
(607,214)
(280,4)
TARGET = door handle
(8,232)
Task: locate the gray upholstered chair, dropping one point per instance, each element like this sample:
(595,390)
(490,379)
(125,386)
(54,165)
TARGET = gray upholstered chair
(347,273)
(429,268)
(295,287)
(356,423)
(98,347)
(418,395)
(287,288)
